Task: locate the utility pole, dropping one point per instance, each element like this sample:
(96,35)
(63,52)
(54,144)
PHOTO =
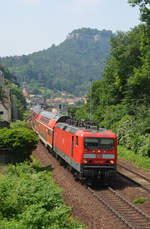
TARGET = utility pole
(91,100)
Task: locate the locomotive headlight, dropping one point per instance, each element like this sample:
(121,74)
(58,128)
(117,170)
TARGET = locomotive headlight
(112,162)
(85,161)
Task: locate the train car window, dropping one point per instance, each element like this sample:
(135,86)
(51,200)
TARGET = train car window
(72,146)
(91,143)
(68,129)
(76,140)
(44,119)
(49,133)
(64,128)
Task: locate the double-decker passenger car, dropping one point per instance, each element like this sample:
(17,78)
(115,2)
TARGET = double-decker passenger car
(88,151)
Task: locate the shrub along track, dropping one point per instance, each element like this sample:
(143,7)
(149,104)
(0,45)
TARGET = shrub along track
(85,207)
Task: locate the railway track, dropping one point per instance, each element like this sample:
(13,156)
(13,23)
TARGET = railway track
(137,177)
(128,213)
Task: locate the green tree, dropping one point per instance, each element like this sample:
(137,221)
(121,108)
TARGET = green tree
(126,56)
(68,66)
(2,94)
(139,82)
(144,9)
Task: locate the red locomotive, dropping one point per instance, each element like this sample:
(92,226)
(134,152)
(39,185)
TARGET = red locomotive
(89,152)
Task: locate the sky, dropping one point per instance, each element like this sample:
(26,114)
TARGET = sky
(28,26)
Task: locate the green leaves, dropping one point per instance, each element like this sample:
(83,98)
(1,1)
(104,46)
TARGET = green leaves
(140,200)
(144,9)
(133,131)
(31,200)
(69,66)
(2,94)
(20,141)
(121,100)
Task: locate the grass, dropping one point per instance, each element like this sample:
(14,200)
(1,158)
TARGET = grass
(3,168)
(140,200)
(139,160)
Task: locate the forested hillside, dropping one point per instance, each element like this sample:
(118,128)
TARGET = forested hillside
(69,66)
(8,76)
(121,100)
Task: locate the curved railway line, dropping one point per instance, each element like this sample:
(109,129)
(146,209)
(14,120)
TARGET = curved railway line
(124,214)
(137,177)
(128,213)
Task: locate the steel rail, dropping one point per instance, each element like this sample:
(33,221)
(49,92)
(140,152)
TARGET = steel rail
(124,217)
(110,208)
(140,184)
(129,203)
(138,174)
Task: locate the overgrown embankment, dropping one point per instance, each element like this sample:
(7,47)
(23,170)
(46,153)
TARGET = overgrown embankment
(138,159)
(29,199)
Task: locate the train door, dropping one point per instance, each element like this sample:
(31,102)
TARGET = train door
(72,146)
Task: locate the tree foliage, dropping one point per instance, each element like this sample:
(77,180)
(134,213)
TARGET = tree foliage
(2,94)
(9,76)
(29,199)
(69,66)
(20,141)
(18,101)
(144,9)
(121,100)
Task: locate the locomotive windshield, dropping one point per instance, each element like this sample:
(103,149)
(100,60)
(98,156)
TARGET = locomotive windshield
(91,143)
(99,143)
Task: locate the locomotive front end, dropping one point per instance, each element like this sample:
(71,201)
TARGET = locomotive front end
(99,156)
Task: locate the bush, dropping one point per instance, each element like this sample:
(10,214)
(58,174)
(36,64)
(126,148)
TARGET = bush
(145,146)
(19,141)
(130,134)
(30,200)
(138,159)
(19,124)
